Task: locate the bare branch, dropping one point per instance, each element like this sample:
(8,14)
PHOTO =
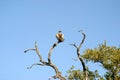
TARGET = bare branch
(58,74)
(29,50)
(74,45)
(79,56)
(49,63)
(75,59)
(51,49)
(84,36)
(38,52)
(34,65)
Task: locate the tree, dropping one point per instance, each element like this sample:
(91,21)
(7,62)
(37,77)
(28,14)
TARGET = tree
(60,38)
(108,56)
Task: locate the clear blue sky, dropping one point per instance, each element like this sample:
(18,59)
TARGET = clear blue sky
(22,22)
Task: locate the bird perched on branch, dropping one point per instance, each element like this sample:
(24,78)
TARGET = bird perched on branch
(60,36)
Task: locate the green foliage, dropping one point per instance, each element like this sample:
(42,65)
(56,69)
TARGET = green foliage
(75,74)
(108,56)
(79,75)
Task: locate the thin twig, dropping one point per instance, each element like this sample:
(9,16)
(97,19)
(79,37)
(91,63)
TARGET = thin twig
(74,45)
(84,36)
(29,50)
(34,65)
(38,52)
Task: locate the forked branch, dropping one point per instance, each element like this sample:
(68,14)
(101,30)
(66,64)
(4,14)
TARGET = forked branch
(79,56)
(49,62)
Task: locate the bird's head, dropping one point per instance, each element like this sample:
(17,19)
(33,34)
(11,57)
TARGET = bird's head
(59,31)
